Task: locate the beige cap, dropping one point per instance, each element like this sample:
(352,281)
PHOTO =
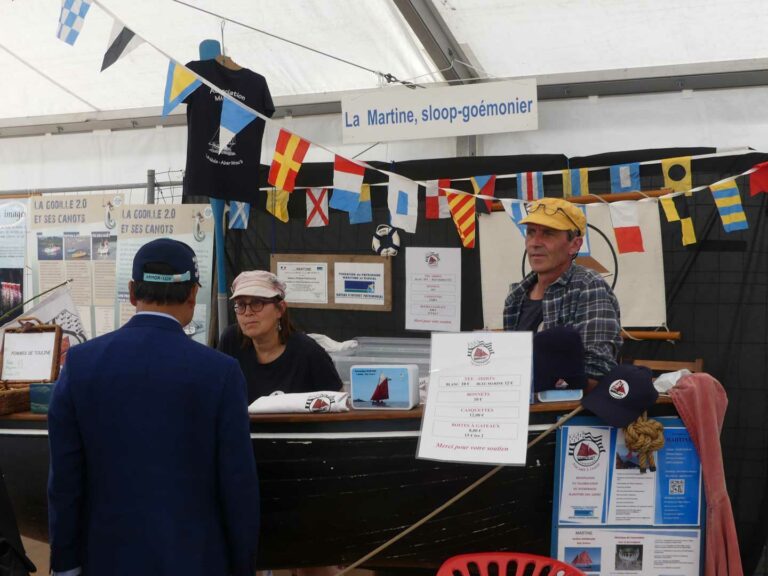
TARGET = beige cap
(556,213)
(258,283)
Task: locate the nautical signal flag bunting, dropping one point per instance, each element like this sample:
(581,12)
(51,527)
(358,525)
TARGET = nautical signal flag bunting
(677,174)
(286,163)
(462,208)
(676,210)
(728,202)
(347,182)
(626,226)
(179,84)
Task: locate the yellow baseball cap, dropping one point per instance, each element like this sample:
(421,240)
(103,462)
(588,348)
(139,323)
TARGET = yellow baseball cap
(556,213)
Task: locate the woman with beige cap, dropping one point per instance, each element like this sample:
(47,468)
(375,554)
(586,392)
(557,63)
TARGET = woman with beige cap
(272,354)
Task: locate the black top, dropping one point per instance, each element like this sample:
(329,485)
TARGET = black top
(233,174)
(304,366)
(531,315)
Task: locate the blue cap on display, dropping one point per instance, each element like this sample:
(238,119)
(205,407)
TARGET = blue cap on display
(177,255)
(558,360)
(622,395)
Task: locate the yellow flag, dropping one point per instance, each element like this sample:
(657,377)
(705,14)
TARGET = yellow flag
(677,174)
(277,204)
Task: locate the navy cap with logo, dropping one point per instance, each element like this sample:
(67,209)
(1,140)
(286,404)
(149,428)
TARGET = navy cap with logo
(558,360)
(178,256)
(622,395)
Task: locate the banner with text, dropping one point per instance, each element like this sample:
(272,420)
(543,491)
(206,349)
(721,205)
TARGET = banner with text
(401,113)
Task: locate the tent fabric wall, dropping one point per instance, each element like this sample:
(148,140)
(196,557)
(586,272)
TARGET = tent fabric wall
(720,119)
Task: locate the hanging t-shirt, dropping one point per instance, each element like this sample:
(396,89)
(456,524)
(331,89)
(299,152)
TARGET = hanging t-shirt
(232,173)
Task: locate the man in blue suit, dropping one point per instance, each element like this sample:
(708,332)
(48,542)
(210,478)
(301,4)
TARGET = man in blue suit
(152,470)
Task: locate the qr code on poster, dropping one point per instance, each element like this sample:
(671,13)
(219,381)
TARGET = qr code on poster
(677,486)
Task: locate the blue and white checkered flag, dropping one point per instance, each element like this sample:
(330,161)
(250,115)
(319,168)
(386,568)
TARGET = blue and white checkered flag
(238,215)
(71,19)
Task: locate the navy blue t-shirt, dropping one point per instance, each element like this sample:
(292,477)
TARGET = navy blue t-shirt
(304,366)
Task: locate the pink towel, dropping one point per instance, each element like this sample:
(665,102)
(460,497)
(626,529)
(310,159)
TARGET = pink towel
(701,402)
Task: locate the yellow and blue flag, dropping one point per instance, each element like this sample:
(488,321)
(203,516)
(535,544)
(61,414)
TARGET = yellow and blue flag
(277,204)
(179,84)
(575,182)
(363,213)
(728,202)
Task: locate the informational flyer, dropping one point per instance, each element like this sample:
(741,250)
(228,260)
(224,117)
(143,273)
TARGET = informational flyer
(613,518)
(305,282)
(358,283)
(140,223)
(478,398)
(611,552)
(433,289)
(13,220)
(74,237)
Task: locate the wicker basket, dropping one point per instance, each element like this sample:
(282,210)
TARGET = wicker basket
(14,399)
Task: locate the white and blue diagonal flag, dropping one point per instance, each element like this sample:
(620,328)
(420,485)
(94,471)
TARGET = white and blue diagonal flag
(121,41)
(238,215)
(233,119)
(71,19)
(515,209)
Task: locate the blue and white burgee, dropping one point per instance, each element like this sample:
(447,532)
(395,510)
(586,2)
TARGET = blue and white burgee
(239,212)
(233,119)
(584,250)
(71,19)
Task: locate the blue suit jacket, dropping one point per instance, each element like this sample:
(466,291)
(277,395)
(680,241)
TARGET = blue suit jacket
(152,468)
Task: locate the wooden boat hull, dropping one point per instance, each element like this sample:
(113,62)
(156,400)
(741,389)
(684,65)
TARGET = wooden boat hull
(334,489)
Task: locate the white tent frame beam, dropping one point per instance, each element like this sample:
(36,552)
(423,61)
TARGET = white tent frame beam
(437,39)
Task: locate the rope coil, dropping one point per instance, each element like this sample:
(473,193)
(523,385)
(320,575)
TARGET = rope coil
(645,436)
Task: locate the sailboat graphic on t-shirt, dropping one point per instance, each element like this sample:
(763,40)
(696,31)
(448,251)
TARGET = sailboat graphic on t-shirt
(213,146)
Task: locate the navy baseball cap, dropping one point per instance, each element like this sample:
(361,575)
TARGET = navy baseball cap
(558,360)
(177,255)
(622,395)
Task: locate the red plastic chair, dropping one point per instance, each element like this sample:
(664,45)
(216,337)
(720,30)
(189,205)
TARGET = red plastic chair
(459,565)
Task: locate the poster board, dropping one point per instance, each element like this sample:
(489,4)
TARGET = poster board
(610,518)
(335,281)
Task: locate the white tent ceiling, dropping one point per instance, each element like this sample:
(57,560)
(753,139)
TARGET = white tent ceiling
(583,40)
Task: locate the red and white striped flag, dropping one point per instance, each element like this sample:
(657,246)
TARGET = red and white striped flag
(530,186)
(437,201)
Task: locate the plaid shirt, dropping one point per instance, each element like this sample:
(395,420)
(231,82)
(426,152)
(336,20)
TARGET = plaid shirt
(579,298)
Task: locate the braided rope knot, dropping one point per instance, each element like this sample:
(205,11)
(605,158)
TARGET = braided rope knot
(645,436)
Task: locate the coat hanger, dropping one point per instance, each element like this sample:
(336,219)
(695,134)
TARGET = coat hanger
(222,58)
(227,62)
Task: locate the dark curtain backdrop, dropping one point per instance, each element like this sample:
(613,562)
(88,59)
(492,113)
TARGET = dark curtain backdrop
(716,289)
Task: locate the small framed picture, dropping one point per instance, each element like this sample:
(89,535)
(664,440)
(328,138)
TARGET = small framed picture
(30,353)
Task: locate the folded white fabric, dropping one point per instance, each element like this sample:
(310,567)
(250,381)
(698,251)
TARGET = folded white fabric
(331,345)
(279,403)
(665,381)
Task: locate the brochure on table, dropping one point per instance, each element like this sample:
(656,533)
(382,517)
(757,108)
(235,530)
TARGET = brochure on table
(478,398)
(609,518)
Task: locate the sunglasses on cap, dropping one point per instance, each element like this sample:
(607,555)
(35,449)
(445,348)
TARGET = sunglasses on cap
(551,211)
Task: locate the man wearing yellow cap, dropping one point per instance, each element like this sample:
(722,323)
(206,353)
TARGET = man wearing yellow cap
(559,292)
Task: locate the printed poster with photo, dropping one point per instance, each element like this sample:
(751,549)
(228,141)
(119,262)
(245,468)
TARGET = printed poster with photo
(74,237)
(188,223)
(13,219)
